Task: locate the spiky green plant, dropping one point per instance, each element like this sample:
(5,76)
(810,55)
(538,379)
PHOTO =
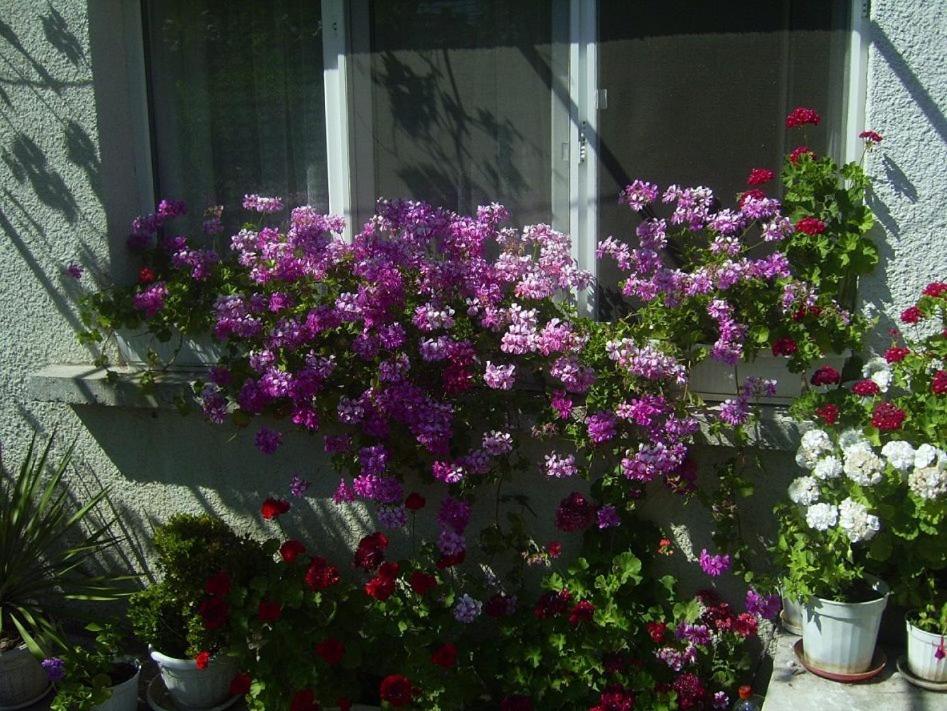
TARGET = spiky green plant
(48,545)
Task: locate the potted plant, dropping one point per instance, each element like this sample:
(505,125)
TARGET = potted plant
(94,678)
(182,620)
(45,543)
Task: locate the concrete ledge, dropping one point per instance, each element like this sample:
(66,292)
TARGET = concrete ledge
(115,387)
(792,688)
(775,430)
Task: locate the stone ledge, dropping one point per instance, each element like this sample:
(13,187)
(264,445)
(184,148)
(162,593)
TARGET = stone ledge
(89,385)
(792,688)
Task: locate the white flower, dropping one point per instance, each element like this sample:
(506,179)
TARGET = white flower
(804,491)
(926,455)
(806,458)
(828,468)
(850,438)
(900,454)
(928,482)
(878,370)
(821,517)
(855,520)
(862,465)
(816,441)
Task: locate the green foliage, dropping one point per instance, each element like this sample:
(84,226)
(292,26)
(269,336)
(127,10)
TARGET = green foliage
(47,547)
(90,672)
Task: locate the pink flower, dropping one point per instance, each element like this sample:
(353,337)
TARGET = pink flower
(714,565)
(870,137)
(912,314)
(800,116)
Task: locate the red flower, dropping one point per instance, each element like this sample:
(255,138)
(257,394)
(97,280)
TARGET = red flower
(331,650)
(615,698)
(422,583)
(887,416)
(810,226)
(371,551)
(396,690)
(214,611)
(445,655)
(799,152)
(240,684)
(784,347)
(516,703)
(896,354)
(758,176)
(449,561)
(575,513)
(582,612)
(801,116)
(269,611)
(870,136)
(202,659)
(146,275)
(826,375)
(274,508)
(912,314)
(389,571)
(939,383)
(866,388)
(756,194)
(499,605)
(935,289)
(656,630)
(554,549)
(344,703)
(552,604)
(304,700)
(218,584)
(414,502)
(291,550)
(745,624)
(380,588)
(320,575)
(828,413)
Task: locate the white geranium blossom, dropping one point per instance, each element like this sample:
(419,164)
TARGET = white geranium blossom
(828,468)
(850,438)
(816,441)
(806,458)
(804,491)
(862,465)
(900,455)
(822,516)
(854,519)
(926,455)
(928,482)
(878,370)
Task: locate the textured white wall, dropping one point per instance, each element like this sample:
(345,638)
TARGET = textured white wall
(68,182)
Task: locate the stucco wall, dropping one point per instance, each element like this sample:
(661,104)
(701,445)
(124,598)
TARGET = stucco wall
(70,181)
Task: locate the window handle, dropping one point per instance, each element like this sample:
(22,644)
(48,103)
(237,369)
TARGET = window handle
(583,142)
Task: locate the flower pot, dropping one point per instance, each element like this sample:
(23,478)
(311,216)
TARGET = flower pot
(22,678)
(193,688)
(791,615)
(840,637)
(124,694)
(921,660)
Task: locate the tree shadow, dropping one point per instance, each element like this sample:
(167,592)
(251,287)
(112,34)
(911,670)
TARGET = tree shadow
(58,34)
(82,151)
(28,162)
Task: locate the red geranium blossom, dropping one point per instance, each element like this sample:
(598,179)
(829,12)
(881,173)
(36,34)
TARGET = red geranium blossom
(274,508)
(575,513)
(810,225)
(331,650)
(421,582)
(758,176)
(240,684)
(939,382)
(396,690)
(866,388)
(202,659)
(218,584)
(449,561)
(146,275)
(214,611)
(784,347)
(582,612)
(826,375)
(828,413)
(445,655)
(912,314)
(801,116)
(516,703)
(656,630)
(935,289)
(291,550)
(755,194)
(745,624)
(799,152)
(896,354)
(269,611)
(320,575)
(615,698)
(414,502)
(380,588)
(371,551)
(304,700)
(554,549)
(870,136)
(887,416)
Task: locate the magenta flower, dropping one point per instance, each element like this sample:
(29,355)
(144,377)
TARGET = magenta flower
(714,565)
(268,441)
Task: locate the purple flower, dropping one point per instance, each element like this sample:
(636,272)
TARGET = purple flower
(721,700)
(638,195)
(608,517)
(268,441)
(454,514)
(55,668)
(299,486)
(714,565)
(766,606)
(151,300)
(560,467)
(393,517)
(601,427)
(258,203)
(467,609)
(74,270)
(499,377)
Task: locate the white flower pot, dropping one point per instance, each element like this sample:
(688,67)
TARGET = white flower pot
(22,678)
(840,637)
(193,688)
(125,695)
(791,616)
(921,659)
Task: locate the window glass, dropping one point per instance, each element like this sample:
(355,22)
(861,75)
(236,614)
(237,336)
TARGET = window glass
(237,101)
(698,94)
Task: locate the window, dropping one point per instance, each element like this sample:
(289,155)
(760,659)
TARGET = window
(549,106)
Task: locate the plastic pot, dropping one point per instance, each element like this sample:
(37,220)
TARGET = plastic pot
(193,688)
(22,678)
(921,660)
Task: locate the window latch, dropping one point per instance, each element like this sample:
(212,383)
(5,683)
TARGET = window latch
(583,142)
